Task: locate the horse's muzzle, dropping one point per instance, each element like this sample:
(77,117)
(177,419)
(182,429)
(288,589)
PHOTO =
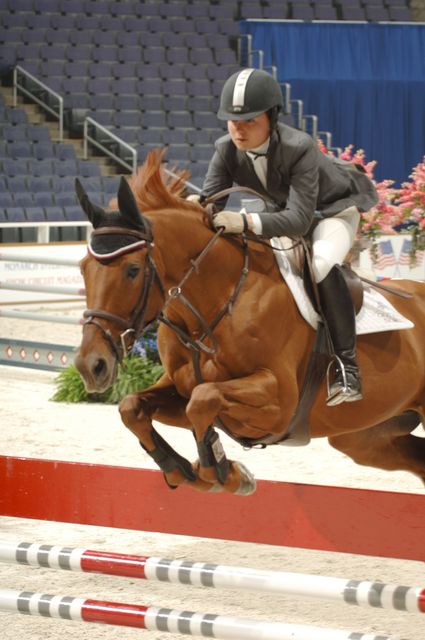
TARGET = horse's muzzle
(97,371)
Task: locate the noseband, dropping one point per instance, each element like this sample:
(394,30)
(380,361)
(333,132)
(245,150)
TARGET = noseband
(130,328)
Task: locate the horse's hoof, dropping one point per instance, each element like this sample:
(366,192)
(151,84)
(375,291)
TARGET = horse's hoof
(248,484)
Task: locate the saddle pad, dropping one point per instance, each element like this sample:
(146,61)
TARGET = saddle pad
(376,314)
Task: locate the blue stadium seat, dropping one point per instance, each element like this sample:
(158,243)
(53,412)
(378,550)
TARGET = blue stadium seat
(64,151)
(64,168)
(6,200)
(75,213)
(23,199)
(54,213)
(79,37)
(376,13)
(302,12)
(16,183)
(38,184)
(15,167)
(400,14)
(42,167)
(37,133)
(16,150)
(127,119)
(349,12)
(177,55)
(125,102)
(180,119)
(43,150)
(154,119)
(325,12)
(105,54)
(65,199)
(87,168)
(15,214)
(35,214)
(43,198)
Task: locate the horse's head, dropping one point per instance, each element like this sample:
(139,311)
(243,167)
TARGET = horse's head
(123,286)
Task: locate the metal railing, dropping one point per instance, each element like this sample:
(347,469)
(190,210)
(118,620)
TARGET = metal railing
(19,86)
(310,124)
(89,124)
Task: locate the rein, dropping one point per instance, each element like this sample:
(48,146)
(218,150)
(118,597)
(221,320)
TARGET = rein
(176,293)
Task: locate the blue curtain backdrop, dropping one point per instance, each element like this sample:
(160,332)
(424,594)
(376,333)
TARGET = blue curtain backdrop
(365,82)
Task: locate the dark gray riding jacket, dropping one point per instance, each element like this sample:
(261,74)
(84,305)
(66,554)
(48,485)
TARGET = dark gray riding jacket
(301,180)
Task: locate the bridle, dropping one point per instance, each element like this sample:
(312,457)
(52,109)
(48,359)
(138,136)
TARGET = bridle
(136,325)
(133,327)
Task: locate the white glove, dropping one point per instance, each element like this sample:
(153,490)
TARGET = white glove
(230,221)
(194,197)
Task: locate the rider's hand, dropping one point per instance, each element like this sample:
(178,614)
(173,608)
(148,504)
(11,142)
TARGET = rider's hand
(194,197)
(230,221)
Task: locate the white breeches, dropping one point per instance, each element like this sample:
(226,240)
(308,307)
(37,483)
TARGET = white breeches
(332,239)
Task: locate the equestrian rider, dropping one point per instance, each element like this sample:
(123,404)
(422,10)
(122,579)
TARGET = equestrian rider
(311,194)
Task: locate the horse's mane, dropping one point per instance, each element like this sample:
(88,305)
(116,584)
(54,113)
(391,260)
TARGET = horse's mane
(154,188)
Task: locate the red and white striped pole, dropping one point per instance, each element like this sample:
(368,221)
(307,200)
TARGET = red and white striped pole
(167,620)
(355,592)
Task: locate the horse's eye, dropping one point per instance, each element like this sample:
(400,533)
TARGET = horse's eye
(132,271)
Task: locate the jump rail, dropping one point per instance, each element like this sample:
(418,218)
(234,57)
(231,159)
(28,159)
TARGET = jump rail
(353,592)
(68,290)
(359,521)
(17,257)
(163,619)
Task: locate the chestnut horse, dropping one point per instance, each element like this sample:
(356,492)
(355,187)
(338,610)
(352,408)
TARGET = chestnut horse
(234,347)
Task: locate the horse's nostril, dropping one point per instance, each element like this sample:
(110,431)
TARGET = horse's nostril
(99,367)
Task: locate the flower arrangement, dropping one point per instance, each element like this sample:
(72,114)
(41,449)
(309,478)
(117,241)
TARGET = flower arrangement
(411,199)
(397,209)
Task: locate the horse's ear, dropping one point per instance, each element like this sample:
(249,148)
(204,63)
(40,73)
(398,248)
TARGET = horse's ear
(94,213)
(127,203)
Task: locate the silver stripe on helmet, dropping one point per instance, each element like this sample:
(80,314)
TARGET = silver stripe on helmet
(240,87)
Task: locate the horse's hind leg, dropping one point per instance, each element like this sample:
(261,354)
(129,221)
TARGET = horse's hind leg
(388,445)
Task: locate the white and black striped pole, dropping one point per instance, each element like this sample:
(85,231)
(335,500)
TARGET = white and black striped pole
(362,593)
(167,620)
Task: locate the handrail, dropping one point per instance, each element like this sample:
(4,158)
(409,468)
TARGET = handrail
(314,122)
(299,112)
(260,54)
(241,38)
(89,139)
(19,87)
(286,93)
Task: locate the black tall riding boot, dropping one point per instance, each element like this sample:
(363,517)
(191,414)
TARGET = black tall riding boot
(340,316)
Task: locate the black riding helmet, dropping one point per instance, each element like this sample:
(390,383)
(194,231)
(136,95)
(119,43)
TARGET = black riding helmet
(249,93)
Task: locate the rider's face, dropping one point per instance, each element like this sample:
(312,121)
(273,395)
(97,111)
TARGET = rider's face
(249,134)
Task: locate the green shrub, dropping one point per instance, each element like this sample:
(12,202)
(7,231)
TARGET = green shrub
(134,374)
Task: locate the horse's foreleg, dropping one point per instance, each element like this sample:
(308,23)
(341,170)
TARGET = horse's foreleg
(388,445)
(163,402)
(243,404)
(136,411)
